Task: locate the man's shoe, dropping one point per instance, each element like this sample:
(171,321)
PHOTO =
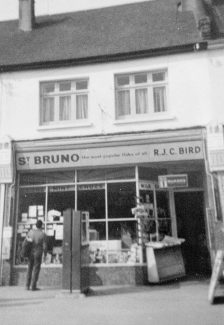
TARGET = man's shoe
(35,289)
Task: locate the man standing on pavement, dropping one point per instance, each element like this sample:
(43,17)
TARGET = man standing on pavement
(38,238)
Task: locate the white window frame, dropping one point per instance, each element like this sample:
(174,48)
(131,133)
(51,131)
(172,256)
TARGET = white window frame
(57,94)
(132,86)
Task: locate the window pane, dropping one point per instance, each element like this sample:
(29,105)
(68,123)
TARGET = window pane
(91,175)
(46,178)
(120,173)
(122,244)
(162,198)
(141,100)
(81,84)
(158,76)
(125,231)
(97,231)
(102,174)
(159,96)
(48,109)
(61,198)
(81,107)
(121,198)
(140,78)
(124,107)
(123,80)
(92,199)
(65,86)
(97,243)
(65,108)
(48,88)
(31,208)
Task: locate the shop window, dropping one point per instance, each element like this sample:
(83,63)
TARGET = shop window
(97,242)
(123,246)
(99,174)
(120,173)
(158,222)
(31,208)
(47,178)
(121,198)
(63,101)
(60,198)
(91,175)
(91,198)
(141,94)
(150,174)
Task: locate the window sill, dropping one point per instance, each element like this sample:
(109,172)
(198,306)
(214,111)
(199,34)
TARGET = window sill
(145,119)
(116,264)
(64,126)
(43,265)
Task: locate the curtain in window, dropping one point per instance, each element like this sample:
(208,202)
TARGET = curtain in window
(159,99)
(81,107)
(141,100)
(123,103)
(48,109)
(65,108)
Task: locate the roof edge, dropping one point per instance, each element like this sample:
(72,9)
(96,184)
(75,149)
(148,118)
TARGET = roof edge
(191,47)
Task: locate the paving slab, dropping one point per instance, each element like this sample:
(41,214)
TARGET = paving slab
(176,303)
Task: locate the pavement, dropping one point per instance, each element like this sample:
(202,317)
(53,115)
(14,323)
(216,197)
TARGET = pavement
(176,303)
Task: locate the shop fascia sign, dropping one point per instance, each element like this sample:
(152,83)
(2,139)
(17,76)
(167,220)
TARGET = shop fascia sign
(172,181)
(106,156)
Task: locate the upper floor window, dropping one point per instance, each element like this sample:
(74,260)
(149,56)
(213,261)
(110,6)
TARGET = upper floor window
(64,101)
(140,93)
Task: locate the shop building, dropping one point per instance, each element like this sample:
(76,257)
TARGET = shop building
(106,180)
(101,126)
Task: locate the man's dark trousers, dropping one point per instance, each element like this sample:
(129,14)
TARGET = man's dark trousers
(34,266)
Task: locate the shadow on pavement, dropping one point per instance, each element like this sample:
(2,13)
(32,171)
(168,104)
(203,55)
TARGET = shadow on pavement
(117,290)
(12,303)
(218,301)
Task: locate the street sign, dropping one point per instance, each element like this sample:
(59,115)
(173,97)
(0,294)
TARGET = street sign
(171,181)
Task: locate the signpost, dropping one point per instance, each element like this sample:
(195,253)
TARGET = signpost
(216,273)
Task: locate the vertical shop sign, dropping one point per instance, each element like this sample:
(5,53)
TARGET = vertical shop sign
(6,246)
(6,167)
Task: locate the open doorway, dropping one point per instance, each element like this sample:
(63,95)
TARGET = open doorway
(191,226)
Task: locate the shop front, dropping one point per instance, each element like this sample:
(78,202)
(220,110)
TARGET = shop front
(107,182)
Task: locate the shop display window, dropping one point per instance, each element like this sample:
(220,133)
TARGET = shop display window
(46,204)
(31,208)
(91,198)
(121,198)
(47,178)
(97,242)
(125,247)
(163,214)
(157,223)
(101,174)
(113,230)
(60,198)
